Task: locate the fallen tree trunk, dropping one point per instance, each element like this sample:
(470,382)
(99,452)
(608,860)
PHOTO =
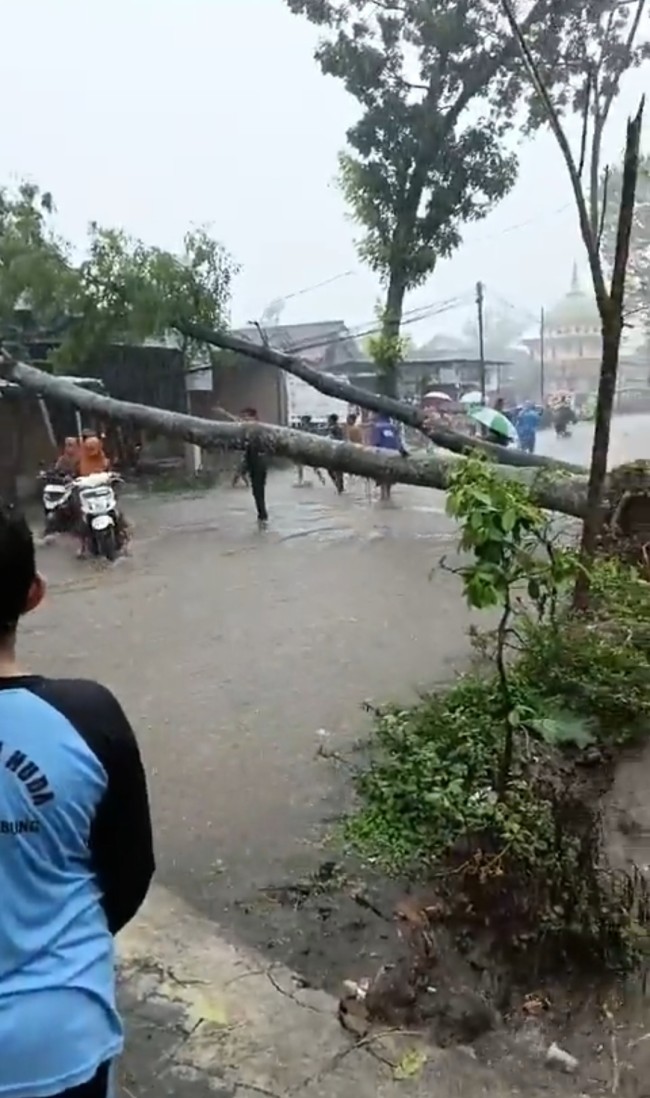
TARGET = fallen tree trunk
(567,494)
(408,414)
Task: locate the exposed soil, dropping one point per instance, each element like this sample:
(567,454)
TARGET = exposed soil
(346,923)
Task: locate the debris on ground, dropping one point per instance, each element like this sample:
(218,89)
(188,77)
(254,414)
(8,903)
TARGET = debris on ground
(559,1058)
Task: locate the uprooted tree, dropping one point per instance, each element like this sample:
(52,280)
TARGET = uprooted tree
(565,494)
(553,486)
(421,165)
(125,289)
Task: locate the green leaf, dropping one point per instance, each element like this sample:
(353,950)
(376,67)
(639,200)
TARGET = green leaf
(410,1064)
(509,520)
(565,729)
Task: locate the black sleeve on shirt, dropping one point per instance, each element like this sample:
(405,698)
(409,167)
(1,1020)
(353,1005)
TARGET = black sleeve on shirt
(121,840)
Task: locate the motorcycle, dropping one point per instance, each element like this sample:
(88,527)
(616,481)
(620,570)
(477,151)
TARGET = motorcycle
(102,528)
(57,501)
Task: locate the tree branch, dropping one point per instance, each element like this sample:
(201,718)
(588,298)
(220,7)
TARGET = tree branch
(566,495)
(624,58)
(588,236)
(626,210)
(585,124)
(603,208)
(602,108)
(484,68)
(332,386)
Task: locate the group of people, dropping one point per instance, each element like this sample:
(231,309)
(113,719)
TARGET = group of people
(527,419)
(380,433)
(82,457)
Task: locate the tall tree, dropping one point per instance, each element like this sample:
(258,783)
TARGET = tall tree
(420,165)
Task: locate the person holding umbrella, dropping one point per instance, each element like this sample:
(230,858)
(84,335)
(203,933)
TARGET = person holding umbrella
(497,426)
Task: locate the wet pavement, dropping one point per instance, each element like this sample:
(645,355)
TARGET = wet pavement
(630,440)
(238,654)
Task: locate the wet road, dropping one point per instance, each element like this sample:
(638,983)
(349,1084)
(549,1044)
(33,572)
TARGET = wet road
(630,440)
(231,650)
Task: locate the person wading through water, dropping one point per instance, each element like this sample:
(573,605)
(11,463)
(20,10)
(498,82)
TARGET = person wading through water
(307,424)
(76,857)
(385,435)
(335,432)
(256,467)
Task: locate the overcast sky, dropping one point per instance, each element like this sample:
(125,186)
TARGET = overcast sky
(157,114)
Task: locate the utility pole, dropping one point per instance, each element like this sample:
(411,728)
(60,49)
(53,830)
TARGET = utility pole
(541,355)
(481,341)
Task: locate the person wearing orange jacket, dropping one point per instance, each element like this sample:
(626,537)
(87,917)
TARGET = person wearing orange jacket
(92,458)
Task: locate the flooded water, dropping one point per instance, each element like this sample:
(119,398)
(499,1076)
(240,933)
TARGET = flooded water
(630,440)
(238,655)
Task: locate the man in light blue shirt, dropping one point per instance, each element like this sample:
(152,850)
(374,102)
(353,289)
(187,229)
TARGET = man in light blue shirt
(76,857)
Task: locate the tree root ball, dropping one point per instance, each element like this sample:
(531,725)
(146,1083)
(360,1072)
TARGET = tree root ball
(626,527)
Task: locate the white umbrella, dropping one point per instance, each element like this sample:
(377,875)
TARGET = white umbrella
(474,397)
(435,395)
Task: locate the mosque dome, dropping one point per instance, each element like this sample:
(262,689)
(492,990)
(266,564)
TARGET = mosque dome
(576,313)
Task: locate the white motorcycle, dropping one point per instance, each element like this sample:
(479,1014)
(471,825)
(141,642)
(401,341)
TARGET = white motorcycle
(58,504)
(102,529)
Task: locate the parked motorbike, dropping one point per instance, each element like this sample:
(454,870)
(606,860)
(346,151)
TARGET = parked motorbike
(102,528)
(57,498)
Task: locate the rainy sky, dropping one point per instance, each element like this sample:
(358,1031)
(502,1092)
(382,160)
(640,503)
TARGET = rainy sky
(156,114)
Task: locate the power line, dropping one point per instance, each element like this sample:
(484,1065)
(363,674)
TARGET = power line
(520,225)
(280,302)
(523,310)
(412,316)
(317,286)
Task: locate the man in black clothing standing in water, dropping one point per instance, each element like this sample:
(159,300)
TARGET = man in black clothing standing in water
(335,432)
(256,467)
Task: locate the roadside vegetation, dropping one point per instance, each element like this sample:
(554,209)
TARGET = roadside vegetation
(489,789)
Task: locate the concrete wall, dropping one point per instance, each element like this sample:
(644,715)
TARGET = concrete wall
(24,446)
(251,384)
(248,385)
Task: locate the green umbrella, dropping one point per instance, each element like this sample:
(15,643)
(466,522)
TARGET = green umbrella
(495,421)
